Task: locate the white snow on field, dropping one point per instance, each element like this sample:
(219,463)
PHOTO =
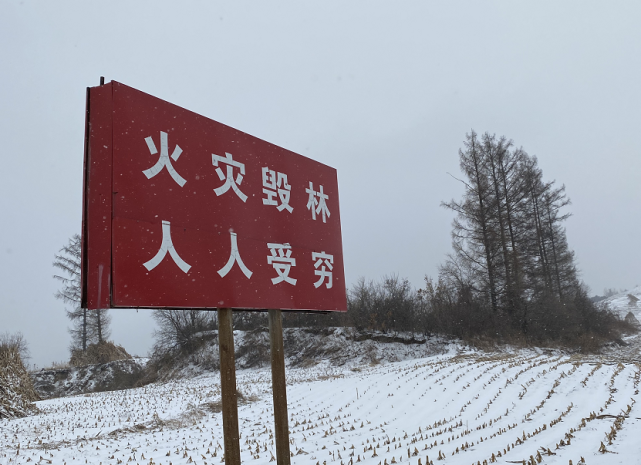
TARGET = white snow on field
(455,408)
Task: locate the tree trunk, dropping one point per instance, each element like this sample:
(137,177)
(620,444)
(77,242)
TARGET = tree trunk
(541,241)
(99,324)
(509,212)
(484,228)
(554,256)
(493,153)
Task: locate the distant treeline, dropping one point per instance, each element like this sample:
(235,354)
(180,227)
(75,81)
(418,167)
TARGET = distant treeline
(511,276)
(392,305)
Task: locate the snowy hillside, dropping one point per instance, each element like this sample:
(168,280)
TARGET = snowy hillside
(621,303)
(460,407)
(109,376)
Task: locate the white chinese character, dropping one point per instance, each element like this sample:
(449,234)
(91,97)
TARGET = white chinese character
(166,246)
(282,262)
(164,160)
(272,181)
(234,257)
(229,178)
(317,206)
(326,261)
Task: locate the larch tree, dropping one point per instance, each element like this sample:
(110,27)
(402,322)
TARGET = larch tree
(89,326)
(509,243)
(473,235)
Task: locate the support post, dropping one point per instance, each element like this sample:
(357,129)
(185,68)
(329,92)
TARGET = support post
(228,387)
(279,387)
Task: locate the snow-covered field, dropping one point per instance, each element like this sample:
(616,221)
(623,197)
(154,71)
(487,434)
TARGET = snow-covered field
(455,408)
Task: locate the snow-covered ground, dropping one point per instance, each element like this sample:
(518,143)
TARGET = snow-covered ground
(622,304)
(459,407)
(79,380)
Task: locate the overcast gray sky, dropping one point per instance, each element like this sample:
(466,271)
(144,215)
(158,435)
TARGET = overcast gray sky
(382,91)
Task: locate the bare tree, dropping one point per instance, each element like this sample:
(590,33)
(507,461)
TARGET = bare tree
(474,238)
(562,258)
(98,325)
(69,261)
(89,326)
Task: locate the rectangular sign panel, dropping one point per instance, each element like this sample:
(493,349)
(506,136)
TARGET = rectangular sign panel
(183,212)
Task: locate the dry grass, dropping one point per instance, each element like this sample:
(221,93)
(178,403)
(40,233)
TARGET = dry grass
(16,389)
(57,366)
(325,377)
(102,352)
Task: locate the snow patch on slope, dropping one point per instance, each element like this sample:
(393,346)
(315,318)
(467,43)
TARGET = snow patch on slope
(622,304)
(119,374)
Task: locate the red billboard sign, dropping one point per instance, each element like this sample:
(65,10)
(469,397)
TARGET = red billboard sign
(183,212)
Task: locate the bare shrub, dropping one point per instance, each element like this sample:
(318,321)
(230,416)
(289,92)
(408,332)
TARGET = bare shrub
(181,330)
(390,304)
(255,350)
(576,322)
